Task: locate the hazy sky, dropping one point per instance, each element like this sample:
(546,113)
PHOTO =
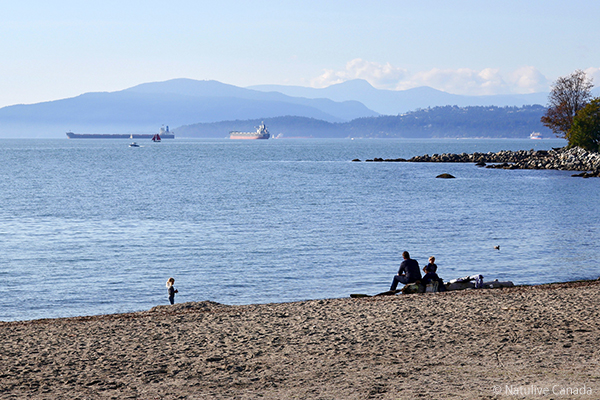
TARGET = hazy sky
(58,48)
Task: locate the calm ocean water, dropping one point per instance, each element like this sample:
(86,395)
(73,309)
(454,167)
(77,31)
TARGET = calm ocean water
(93,226)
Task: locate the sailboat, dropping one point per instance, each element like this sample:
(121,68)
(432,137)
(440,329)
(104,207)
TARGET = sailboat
(156,137)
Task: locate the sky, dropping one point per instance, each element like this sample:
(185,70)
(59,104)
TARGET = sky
(55,49)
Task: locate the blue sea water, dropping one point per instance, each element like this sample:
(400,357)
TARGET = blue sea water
(94,226)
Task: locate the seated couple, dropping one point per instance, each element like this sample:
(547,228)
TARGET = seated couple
(409,273)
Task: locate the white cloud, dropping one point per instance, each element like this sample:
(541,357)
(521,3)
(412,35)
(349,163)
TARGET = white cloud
(593,73)
(487,81)
(381,76)
(328,78)
(459,81)
(528,80)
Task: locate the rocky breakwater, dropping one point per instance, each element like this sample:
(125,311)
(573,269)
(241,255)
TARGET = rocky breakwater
(573,159)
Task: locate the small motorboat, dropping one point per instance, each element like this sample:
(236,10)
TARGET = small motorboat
(134,144)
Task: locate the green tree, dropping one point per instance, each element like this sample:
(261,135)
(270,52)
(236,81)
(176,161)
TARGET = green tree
(585,131)
(568,95)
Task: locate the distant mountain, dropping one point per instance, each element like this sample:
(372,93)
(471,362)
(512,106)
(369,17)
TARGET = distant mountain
(338,111)
(436,122)
(393,102)
(144,108)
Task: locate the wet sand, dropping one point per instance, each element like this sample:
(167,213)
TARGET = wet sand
(472,344)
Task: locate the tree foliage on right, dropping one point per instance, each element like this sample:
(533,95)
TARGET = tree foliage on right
(568,95)
(585,131)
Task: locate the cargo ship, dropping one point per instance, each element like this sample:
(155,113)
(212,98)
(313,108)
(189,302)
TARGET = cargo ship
(164,134)
(261,133)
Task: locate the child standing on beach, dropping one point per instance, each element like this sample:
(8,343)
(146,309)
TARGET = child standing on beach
(171,290)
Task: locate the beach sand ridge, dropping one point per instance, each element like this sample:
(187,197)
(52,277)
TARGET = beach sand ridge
(472,344)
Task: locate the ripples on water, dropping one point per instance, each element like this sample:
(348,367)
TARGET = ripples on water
(93,226)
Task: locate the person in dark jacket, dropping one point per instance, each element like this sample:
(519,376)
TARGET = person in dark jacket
(430,268)
(409,272)
(171,290)
(432,276)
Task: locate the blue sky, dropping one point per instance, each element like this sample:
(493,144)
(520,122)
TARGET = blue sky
(57,49)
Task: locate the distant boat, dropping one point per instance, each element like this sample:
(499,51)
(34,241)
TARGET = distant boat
(535,135)
(134,144)
(261,133)
(164,134)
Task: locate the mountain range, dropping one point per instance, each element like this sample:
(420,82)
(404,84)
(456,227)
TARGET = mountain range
(144,108)
(178,102)
(392,102)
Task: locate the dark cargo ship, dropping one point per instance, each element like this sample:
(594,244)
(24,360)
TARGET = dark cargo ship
(164,134)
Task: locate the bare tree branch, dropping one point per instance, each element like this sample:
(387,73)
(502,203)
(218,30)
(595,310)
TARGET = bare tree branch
(568,95)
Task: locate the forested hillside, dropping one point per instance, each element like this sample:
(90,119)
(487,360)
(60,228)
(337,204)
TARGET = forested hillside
(453,121)
(437,122)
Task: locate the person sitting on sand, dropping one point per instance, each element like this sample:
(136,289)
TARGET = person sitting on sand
(171,290)
(432,276)
(408,273)
(431,267)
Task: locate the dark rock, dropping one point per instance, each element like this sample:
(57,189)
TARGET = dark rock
(593,174)
(394,159)
(356,160)
(445,176)
(388,293)
(359,295)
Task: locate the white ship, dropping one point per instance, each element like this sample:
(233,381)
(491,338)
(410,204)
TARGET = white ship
(535,135)
(261,133)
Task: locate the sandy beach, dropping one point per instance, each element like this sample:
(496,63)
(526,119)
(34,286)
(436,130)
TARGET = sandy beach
(523,342)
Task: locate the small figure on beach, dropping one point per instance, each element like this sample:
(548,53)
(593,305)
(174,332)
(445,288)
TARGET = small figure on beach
(432,276)
(171,290)
(409,272)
